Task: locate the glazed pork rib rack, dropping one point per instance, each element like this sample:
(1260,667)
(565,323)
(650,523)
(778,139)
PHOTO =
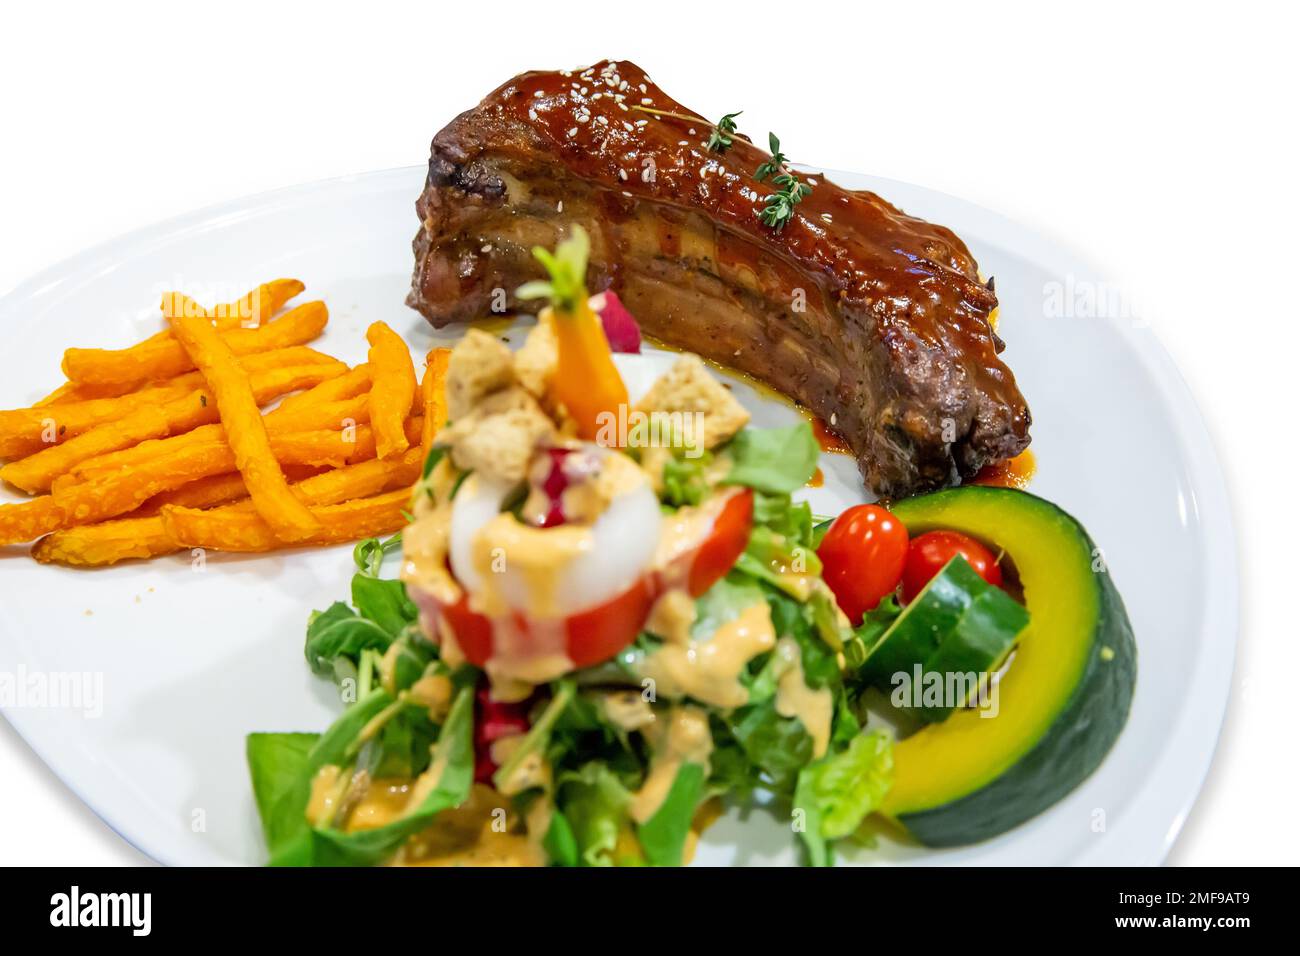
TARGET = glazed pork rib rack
(875,320)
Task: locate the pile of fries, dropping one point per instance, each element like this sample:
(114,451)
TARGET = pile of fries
(169,446)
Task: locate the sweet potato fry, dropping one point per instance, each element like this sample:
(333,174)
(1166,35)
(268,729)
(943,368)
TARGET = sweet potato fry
(392,388)
(29,519)
(350,385)
(204,493)
(97,545)
(363,447)
(255,308)
(108,497)
(434,394)
(326,416)
(294,355)
(341,414)
(245,430)
(74,392)
(166,357)
(126,489)
(321,447)
(234,529)
(36,473)
(24,431)
(146,537)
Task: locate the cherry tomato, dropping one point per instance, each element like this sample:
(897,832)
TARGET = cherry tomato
(928,553)
(862,556)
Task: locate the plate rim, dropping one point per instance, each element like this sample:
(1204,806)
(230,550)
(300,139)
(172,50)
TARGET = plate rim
(1143,836)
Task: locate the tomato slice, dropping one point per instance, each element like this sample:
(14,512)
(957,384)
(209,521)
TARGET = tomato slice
(591,636)
(473,630)
(600,632)
(724,545)
(862,555)
(928,553)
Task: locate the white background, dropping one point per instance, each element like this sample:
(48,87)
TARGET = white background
(1158,140)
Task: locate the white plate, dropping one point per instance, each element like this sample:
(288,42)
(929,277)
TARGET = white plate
(192,661)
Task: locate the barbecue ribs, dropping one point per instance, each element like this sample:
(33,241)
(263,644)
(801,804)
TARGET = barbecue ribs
(875,320)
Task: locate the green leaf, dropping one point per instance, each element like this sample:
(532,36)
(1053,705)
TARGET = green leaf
(684,481)
(837,792)
(782,515)
(774,460)
(778,746)
(431,460)
(664,835)
(411,656)
(368,554)
(559,843)
(538,735)
(595,803)
(339,632)
(448,779)
(293,844)
(277,763)
(722,603)
(790,618)
(383,601)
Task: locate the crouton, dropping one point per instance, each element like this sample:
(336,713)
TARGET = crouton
(536,361)
(498,437)
(688,388)
(479,365)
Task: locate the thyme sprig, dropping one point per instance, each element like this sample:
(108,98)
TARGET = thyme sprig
(720,133)
(720,136)
(779,208)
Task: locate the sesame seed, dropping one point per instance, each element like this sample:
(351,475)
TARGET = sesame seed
(487,248)
(641,87)
(641,122)
(573,132)
(559,206)
(538,94)
(646,101)
(622,174)
(834,417)
(627,194)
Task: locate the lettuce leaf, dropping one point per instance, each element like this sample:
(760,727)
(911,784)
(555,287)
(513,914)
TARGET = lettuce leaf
(774,460)
(838,791)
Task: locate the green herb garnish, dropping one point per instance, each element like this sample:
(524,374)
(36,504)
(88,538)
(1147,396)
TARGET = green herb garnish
(720,133)
(790,191)
(567,268)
